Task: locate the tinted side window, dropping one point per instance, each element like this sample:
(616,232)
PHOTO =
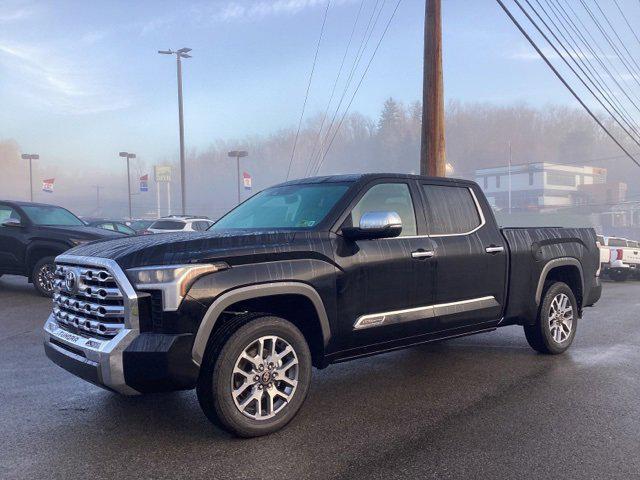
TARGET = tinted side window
(452,210)
(7,213)
(388,197)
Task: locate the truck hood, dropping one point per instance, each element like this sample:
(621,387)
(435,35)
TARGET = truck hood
(183,247)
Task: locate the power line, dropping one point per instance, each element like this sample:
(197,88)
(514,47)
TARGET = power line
(561,78)
(335,84)
(306,96)
(615,32)
(565,15)
(364,74)
(366,37)
(627,21)
(622,58)
(577,60)
(585,59)
(537,27)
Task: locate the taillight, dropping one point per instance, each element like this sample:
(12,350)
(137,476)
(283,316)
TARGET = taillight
(619,254)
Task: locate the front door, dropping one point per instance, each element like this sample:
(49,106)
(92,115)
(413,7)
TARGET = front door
(384,283)
(12,249)
(470,257)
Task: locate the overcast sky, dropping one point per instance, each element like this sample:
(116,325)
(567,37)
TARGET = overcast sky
(82,80)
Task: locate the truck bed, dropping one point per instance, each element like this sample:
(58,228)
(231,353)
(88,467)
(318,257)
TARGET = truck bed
(533,249)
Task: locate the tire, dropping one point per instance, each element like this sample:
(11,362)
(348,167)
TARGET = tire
(551,334)
(42,276)
(618,276)
(219,377)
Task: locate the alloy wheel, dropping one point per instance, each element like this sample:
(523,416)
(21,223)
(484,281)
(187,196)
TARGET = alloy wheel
(45,277)
(265,377)
(560,318)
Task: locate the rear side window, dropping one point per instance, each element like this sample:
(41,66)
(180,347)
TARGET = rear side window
(452,210)
(388,197)
(617,242)
(200,226)
(168,225)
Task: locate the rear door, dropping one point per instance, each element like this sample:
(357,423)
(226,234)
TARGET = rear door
(470,256)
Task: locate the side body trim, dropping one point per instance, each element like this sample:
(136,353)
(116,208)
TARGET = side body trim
(420,313)
(558,262)
(256,291)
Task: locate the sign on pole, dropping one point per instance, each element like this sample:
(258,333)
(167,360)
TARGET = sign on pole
(162,173)
(47,185)
(144,183)
(246,180)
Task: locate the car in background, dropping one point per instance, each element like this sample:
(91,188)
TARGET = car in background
(32,235)
(140,225)
(180,224)
(620,258)
(113,225)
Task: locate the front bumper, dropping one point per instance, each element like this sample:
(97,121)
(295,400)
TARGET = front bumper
(131,363)
(97,361)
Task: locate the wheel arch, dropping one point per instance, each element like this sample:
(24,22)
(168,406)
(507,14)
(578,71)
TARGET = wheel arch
(40,250)
(567,270)
(284,296)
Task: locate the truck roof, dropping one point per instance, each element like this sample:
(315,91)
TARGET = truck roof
(361,177)
(22,203)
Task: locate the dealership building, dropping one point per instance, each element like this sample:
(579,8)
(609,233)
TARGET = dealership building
(545,186)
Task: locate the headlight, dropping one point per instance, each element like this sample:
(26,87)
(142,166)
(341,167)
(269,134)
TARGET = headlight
(173,280)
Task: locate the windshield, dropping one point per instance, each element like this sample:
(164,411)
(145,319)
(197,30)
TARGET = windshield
(50,215)
(291,206)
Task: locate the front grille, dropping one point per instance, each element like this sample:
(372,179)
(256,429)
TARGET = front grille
(88,300)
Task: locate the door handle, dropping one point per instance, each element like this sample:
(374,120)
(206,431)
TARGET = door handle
(494,249)
(423,254)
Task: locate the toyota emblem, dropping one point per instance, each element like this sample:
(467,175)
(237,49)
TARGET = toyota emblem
(71,281)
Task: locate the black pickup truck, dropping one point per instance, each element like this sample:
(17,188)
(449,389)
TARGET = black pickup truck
(33,234)
(308,273)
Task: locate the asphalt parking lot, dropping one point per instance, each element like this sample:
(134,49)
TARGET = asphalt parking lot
(480,407)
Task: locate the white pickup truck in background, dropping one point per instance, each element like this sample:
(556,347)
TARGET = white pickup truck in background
(619,258)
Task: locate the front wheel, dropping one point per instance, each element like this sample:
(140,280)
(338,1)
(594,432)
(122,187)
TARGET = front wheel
(43,276)
(557,320)
(255,375)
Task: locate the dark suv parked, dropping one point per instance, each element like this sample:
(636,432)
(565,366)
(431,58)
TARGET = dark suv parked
(33,234)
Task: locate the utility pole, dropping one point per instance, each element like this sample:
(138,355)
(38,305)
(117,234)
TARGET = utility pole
(30,157)
(509,170)
(128,156)
(180,54)
(98,187)
(432,149)
(238,154)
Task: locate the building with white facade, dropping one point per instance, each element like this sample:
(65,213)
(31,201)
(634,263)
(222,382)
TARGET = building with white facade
(546,186)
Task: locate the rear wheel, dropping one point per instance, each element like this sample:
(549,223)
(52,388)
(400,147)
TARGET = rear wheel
(43,275)
(557,320)
(255,375)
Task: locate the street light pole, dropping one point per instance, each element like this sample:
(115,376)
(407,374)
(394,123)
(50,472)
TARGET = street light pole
(180,54)
(128,156)
(238,154)
(30,157)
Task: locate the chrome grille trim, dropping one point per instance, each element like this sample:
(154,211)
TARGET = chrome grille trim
(104,339)
(102,303)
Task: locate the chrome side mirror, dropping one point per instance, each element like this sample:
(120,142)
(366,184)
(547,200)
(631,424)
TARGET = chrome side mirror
(375,225)
(12,222)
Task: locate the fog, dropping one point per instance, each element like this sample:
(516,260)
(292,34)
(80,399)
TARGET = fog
(477,136)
